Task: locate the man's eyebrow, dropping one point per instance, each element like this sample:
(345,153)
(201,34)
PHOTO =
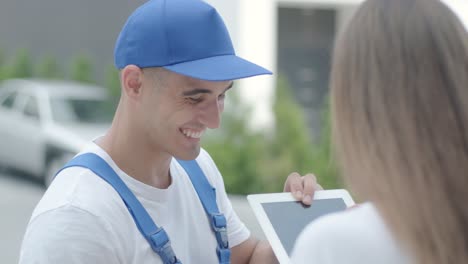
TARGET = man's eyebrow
(204,91)
(196,91)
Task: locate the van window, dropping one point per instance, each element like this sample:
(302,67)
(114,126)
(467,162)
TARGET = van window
(31,108)
(9,100)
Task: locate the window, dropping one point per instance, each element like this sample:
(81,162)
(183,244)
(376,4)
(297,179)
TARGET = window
(31,108)
(81,110)
(305,41)
(9,100)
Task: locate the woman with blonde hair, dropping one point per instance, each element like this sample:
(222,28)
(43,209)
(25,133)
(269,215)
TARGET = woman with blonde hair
(399,89)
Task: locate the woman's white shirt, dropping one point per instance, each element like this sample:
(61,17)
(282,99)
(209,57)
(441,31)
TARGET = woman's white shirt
(355,236)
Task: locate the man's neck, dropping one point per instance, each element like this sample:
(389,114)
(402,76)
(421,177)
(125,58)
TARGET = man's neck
(137,159)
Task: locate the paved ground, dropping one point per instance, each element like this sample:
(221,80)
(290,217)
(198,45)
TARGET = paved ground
(20,195)
(244,211)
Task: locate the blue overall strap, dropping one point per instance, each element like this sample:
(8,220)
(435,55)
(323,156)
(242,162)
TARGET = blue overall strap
(207,195)
(155,236)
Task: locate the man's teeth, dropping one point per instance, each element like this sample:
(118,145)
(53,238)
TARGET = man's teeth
(192,134)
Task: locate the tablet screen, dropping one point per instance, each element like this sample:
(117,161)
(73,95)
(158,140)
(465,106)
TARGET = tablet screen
(281,213)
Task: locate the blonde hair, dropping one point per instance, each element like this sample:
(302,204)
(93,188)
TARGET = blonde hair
(400,121)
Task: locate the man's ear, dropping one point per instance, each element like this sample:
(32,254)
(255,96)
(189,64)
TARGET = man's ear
(132,81)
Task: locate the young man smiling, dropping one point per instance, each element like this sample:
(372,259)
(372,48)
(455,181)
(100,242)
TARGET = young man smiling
(176,64)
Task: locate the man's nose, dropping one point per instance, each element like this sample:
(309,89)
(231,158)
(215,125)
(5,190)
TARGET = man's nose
(211,114)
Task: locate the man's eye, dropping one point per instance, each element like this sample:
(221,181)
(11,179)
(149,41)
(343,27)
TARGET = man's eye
(195,99)
(222,96)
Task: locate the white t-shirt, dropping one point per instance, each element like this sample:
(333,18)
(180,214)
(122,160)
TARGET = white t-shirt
(355,236)
(82,219)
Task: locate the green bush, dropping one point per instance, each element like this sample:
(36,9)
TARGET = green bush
(290,149)
(253,162)
(3,68)
(21,67)
(112,83)
(324,164)
(48,68)
(236,150)
(82,70)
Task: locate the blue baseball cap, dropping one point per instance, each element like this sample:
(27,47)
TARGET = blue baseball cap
(184,36)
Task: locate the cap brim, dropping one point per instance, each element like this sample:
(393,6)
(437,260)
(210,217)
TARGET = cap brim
(219,68)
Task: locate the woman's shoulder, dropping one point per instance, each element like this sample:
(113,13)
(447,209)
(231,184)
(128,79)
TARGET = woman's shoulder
(357,235)
(342,228)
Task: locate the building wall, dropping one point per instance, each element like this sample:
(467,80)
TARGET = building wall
(258,38)
(66,28)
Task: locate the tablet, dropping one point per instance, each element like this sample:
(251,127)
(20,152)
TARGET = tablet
(282,218)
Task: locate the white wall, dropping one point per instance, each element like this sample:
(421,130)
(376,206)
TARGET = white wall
(459,7)
(229,11)
(258,26)
(252,28)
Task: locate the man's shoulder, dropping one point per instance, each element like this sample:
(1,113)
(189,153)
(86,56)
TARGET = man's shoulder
(69,234)
(81,189)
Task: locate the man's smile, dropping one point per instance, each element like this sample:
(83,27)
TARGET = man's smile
(192,133)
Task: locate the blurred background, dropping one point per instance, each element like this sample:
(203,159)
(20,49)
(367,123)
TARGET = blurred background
(59,89)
